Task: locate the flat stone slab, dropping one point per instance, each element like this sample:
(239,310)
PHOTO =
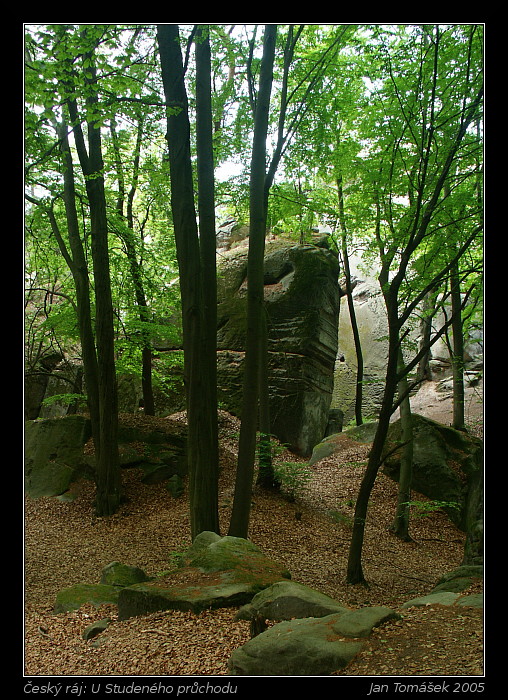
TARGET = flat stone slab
(215,572)
(308,646)
(446,598)
(73,597)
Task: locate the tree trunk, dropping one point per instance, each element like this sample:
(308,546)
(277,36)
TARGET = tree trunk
(198,362)
(266,476)
(108,479)
(107,460)
(206,481)
(424,372)
(239,524)
(354,569)
(400,525)
(457,350)
(78,266)
(351,307)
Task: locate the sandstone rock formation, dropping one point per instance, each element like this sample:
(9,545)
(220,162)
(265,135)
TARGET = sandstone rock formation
(447,465)
(302,306)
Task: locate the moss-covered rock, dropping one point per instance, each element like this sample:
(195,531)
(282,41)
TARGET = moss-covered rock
(306,647)
(445,463)
(215,572)
(118,574)
(74,597)
(286,600)
(54,454)
(459,579)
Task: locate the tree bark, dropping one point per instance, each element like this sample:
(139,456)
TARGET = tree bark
(206,483)
(201,407)
(76,261)
(400,525)
(239,524)
(351,307)
(108,480)
(355,572)
(457,350)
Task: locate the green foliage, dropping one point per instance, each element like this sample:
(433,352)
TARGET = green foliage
(426,508)
(66,400)
(293,477)
(340,518)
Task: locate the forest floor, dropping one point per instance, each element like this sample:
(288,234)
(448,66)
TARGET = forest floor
(66,544)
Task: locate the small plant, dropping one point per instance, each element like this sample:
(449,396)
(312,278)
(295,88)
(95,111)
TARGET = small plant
(341,518)
(293,477)
(426,508)
(65,400)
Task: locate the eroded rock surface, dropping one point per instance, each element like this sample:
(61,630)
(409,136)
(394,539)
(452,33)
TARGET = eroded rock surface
(302,308)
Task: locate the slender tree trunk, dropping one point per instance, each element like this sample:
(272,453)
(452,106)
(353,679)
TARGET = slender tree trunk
(266,475)
(351,307)
(201,406)
(354,568)
(108,463)
(108,478)
(127,236)
(206,484)
(424,372)
(457,350)
(79,270)
(239,524)
(400,525)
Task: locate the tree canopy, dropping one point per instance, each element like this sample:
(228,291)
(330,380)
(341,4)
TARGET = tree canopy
(372,132)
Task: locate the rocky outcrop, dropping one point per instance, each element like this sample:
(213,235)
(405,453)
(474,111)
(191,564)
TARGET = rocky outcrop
(55,455)
(286,600)
(215,572)
(313,635)
(312,646)
(447,466)
(302,306)
(370,312)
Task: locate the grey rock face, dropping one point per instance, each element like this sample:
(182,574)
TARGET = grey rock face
(309,646)
(446,463)
(54,454)
(302,307)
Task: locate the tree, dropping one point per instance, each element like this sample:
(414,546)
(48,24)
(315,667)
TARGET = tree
(125,212)
(437,127)
(193,259)
(239,523)
(74,70)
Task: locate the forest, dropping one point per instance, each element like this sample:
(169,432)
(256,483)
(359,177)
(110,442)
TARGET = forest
(141,140)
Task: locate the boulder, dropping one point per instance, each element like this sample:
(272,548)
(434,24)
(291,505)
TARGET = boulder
(459,579)
(215,572)
(445,464)
(336,442)
(302,306)
(156,446)
(446,598)
(54,454)
(308,646)
(118,574)
(96,628)
(288,599)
